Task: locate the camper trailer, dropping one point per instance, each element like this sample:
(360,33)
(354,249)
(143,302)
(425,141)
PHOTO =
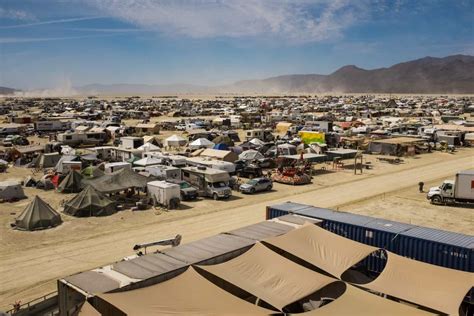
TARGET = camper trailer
(86,138)
(263,135)
(209,182)
(115,166)
(170,160)
(11,191)
(164,172)
(211,163)
(51,126)
(164,193)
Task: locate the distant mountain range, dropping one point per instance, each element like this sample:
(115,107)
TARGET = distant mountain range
(452,74)
(7,91)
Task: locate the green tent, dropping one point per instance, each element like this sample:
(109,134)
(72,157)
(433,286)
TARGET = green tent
(38,215)
(92,172)
(71,183)
(90,202)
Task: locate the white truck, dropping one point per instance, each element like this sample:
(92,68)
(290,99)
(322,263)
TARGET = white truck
(461,190)
(164,193)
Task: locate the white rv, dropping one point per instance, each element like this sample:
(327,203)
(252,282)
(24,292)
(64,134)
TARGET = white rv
(209,182)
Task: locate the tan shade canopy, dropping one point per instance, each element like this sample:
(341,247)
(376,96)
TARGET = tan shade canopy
(189,294)
(325,250)
(88,310)
(359,302)
(439,288)
(269,276)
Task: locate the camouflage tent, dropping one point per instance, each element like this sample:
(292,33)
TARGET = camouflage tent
(71,183)
(90,202)
(38,215)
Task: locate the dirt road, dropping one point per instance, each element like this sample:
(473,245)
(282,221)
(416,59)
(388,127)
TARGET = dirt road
(30,263)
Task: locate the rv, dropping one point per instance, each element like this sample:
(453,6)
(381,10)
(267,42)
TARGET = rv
(164,172)
(263,135)
(211,163)
(209,182)
(115,166)
(170,160)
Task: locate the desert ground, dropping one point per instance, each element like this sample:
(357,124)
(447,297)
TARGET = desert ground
(31,262)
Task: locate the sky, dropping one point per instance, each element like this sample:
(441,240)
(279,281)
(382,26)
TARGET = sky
(70,43)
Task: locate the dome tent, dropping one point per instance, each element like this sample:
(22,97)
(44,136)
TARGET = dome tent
(38,215)
(90,202)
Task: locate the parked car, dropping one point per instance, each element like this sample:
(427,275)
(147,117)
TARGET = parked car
(256,185)
(247,170)
(188,192)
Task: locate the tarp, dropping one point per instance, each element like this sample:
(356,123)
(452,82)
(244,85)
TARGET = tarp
(250,155)
(359,302)
(118,181)
(438,288)
(71,183)
(188,294)
(38,215)
(89,202)
(323,249)
(269,276)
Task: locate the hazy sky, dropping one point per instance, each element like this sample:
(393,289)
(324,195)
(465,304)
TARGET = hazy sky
(50,43)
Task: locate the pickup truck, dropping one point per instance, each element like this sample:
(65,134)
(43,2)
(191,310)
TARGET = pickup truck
(461,190)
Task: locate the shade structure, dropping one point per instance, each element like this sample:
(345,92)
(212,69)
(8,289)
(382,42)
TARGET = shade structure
(201,143)
(251,155)
(358,302)
(38,215)
(438,288)
(147,161)
(269,276)
(88,310)
(71,183)
(120,180)
(188,294)
(89,202)
(329,252)
(175,141)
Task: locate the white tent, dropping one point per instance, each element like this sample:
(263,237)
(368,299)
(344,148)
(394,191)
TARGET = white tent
(149,147)
(175,141)
(250,155)
(147,161)
(201,143)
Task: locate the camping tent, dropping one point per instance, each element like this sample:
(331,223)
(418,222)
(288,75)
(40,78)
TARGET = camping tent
(37,215)
(201,143)
(175,141)
(71,183)
(223,139)
(257,142)
(11,190)
(89,202)
(120,180)
(92,172)
(47,160)
(251,155)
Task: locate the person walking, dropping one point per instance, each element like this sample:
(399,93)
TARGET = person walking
(420,186)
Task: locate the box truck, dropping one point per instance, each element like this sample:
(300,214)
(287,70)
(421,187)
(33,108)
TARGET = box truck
(164,193)
(461,190)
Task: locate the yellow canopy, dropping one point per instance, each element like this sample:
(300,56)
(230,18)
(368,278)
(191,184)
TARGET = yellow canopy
(188,294)
(357,302)
(325,250)
(438,288)
(269,276)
